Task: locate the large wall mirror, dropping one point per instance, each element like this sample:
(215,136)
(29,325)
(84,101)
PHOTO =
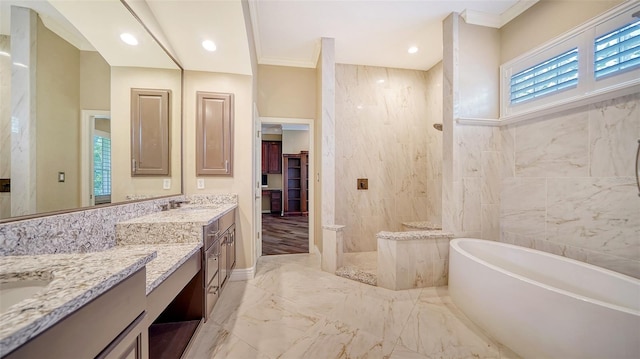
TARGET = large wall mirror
(66,75)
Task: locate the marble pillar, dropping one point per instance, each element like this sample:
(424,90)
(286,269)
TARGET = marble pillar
(23,111)
(328,104)
(5,121)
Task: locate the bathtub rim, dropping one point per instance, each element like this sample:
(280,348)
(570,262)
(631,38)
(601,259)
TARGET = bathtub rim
(455,246)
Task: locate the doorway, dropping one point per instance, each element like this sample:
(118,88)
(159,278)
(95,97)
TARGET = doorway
(95,184)
(287,186)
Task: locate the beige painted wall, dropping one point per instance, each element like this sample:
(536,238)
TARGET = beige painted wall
(295,141)
(95,82)
(544,21)
(58,111)
(123,79)
(241,182)
(286,91)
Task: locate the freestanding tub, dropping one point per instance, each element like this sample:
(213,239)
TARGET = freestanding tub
(542,305)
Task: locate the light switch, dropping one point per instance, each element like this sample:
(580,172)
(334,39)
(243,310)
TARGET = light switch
(200,183)
(61,176)
(166,183)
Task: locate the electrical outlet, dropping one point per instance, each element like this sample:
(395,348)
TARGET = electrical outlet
(166,183)
(200,183)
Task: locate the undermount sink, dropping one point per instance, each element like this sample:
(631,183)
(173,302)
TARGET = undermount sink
(13,292)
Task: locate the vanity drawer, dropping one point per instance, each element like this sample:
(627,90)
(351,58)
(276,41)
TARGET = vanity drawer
(227,220)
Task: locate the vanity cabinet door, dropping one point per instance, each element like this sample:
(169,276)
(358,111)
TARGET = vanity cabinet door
(214,134)
(150,132)
(130,344)
(231,251)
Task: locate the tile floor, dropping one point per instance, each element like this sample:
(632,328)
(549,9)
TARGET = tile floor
(291,309)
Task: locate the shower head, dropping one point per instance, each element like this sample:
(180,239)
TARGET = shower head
(437,126)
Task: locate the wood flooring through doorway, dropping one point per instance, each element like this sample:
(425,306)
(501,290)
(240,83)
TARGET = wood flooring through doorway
(284,235)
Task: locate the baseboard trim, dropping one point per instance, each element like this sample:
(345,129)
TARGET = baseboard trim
(242,274)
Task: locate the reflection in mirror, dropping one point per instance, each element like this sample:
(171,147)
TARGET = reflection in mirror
(65,110)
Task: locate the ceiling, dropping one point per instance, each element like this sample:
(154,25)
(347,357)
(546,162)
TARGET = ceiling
(288,32)
(285,32)
(367,32)
(75,21)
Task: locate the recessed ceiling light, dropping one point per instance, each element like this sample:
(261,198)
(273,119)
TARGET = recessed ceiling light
(129,39)
(209,45)
(381,81)
(413,50)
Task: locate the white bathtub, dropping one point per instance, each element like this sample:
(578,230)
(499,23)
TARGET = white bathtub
(545,306)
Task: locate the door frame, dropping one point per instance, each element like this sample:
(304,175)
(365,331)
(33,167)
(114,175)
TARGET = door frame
(87,128)
(300,121)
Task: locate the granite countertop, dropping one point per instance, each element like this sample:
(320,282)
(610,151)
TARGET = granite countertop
(161,241)
(423,225)
(169,258)
(415,235)
(182,225)
(77,279)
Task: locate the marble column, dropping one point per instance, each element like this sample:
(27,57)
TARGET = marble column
(328,103)
(5,121)
(23,111)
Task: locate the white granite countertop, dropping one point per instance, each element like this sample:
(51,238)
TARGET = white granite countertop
(414,235)
(169,258)
(182,225)
(77,279)
(161,241)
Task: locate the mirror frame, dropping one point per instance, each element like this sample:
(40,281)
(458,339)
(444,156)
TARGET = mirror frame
(79,209)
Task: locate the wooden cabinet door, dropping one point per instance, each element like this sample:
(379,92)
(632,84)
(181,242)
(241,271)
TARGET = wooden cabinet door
(265,157)
(275,157)
(276,201)
(214,134)
(150,132)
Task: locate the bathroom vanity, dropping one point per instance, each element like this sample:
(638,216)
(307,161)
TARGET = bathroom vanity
(132,298)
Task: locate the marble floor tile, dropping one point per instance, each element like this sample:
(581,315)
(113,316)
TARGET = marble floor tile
(292,309)
(333,339)
(213,342)
(437,329)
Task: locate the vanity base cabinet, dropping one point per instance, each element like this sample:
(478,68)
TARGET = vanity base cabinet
(90,330)
(175,310)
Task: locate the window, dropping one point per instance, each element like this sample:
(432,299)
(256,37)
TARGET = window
(617,51)
(102,169)
(553,75)
(597,61)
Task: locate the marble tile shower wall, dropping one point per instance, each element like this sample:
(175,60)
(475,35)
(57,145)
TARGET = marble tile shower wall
(85,231)
(569,185)
(434,145)
(381,134)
